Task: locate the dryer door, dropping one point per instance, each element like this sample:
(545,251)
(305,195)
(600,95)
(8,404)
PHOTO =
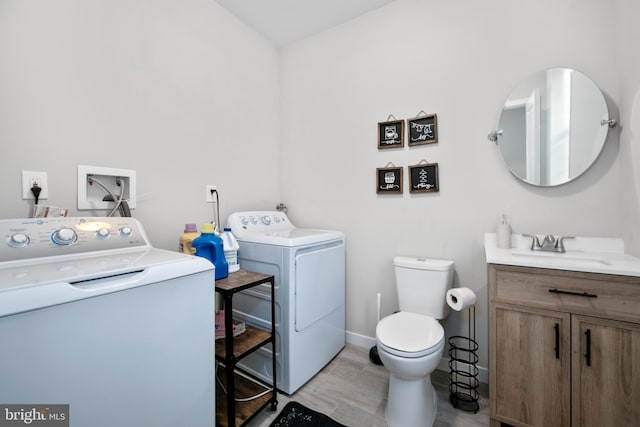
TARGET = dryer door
(320,283)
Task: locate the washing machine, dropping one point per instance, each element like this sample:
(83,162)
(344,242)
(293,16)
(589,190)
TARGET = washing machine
(100,329)
(309,270)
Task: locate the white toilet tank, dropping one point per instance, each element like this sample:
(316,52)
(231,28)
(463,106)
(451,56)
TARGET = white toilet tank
(422,285)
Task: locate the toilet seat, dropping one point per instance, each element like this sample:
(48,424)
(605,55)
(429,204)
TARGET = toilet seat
(410,335)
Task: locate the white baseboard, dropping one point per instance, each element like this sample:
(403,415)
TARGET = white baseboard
(368,342)
(360,340)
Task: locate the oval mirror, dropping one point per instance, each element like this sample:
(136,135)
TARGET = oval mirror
(553,126)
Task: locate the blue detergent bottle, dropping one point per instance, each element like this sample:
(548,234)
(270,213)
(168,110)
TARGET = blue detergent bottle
(209,246)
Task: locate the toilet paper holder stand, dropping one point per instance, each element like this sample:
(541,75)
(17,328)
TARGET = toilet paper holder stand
(463,368)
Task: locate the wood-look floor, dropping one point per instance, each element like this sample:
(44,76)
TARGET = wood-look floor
(353,391)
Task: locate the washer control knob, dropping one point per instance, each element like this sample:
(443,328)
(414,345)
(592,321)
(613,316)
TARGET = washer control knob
(266,220)
(103,233)
(64,236)
(18,240)
(253,220)
(126,231)
(276,219)
(244,221)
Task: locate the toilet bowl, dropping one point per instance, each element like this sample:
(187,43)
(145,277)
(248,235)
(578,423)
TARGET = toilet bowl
(411,342)
(410,346)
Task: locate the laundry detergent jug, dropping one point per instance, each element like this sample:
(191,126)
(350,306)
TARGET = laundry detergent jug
(231,247)
(209,246)
(189,235)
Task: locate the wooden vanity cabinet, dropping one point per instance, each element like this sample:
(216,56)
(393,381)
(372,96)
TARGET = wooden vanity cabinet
(564,348)
(606,372)
(531,382)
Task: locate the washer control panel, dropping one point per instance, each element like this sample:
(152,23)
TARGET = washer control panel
(242,223)
(41,237)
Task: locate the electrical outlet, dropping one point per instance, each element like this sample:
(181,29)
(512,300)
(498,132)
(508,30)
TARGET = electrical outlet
(210,198)
(29,178)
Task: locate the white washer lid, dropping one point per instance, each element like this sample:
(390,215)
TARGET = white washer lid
(423,263)
(411,334)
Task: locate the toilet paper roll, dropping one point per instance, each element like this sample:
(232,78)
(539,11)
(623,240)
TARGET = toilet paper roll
(460,298)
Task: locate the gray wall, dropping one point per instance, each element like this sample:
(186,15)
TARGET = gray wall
(186,95)
(179,91)
(628,34)
(460,60)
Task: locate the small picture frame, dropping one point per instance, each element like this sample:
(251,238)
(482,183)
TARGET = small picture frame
(423,178)
(389,180)
(423,130)
(391,134)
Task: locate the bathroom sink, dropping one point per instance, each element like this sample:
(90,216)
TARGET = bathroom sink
(571,258)
(588,254)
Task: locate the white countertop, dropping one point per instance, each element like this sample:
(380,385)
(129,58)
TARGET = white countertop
(588,254)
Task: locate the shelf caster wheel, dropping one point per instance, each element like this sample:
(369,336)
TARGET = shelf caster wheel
(274,406)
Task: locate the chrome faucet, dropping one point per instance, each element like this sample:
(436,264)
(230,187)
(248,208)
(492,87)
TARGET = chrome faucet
(549,244)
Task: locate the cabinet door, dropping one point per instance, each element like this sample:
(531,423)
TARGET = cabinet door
(530,366)
(605,372)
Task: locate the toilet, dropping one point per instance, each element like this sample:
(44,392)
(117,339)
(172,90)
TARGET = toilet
(410,342)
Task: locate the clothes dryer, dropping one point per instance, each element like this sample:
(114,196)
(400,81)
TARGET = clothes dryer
(309,270)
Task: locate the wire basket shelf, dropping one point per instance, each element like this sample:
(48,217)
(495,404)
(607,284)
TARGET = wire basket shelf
(463,370)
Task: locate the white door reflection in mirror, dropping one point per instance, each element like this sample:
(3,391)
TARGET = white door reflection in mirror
(532,122)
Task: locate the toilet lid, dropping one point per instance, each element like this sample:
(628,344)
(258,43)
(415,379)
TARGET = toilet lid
(413,335)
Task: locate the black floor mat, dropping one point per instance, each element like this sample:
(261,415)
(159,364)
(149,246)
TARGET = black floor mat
(296,415)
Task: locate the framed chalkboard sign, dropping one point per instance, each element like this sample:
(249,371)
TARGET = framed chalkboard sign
(389,180)
(423,130)
(391,134)
(424,178)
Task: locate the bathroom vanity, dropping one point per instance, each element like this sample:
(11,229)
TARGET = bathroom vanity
(564,335)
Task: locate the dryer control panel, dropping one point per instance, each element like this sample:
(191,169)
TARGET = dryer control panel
(42,237)
(258,222)
(274,228)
